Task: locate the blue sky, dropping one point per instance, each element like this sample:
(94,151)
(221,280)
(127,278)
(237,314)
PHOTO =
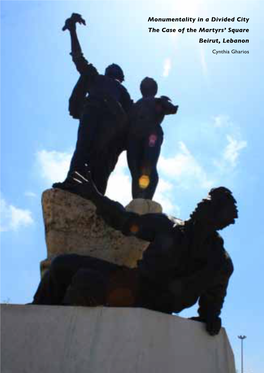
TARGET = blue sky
(215,139)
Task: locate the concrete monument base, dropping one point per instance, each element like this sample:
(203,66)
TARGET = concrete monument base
(56,339)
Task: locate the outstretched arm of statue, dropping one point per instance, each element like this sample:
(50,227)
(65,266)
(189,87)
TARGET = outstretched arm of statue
(212,299)
(76,52)
(114,214)
(166,105)
(70,24)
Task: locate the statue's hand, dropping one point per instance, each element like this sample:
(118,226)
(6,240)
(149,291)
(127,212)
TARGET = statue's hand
(70,23)
(212,324)
(196,318)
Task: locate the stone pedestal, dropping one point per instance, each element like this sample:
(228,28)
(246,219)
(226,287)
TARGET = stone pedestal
(144,206)
(56,339)
(72,226)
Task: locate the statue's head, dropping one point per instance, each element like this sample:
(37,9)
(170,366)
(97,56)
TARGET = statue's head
(217,210)
(148,87)
(114,71)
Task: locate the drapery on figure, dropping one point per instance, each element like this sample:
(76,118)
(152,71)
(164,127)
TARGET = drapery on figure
(184,262)
(145,137)
(102,114)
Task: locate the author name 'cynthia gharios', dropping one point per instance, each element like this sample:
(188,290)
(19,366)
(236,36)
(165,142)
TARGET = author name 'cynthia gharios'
(233,51)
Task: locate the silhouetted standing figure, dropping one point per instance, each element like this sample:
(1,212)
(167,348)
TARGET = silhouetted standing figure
(101,104)
(184,262)
(145,138)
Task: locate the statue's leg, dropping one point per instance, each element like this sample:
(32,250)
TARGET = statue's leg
(155,297)
(86,140)
(134,157)
(123,288)
(56,280)
(152,150)
(100,172)
(117,287)
(88,288)
(105,151)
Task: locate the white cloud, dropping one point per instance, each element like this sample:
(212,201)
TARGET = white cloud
(220,146)
(30,194)
(166,67)
(13,218)
(52,165)
(222,121)
(164,196)
(119,184)
(185,169)
(232,150)
(120,189)
(231,143)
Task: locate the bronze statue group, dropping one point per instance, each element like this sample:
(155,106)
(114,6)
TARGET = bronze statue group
(185,261)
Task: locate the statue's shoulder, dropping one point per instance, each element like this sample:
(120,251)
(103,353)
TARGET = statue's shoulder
(219,239)
(143,111)
(145,102)
(224,254)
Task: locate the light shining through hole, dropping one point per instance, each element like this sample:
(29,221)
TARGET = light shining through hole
(144,182)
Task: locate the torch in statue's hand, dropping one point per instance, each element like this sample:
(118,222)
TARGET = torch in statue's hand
(70,23)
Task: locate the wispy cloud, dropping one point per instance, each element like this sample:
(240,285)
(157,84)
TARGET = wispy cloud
(221,142)
(30,194)
(52,165)
(231,152)
(12,218)
(233,143)
(222,121)
(164,195)
(185,169)
(166,67)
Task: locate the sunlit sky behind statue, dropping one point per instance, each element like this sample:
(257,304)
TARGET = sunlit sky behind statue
(215,139)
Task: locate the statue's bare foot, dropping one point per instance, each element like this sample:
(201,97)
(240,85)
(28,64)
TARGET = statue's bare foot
(70,23)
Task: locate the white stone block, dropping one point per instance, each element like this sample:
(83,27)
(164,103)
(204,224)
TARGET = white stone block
(56,339)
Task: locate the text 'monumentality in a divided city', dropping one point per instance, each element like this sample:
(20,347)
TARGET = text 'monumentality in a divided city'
(199,19)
